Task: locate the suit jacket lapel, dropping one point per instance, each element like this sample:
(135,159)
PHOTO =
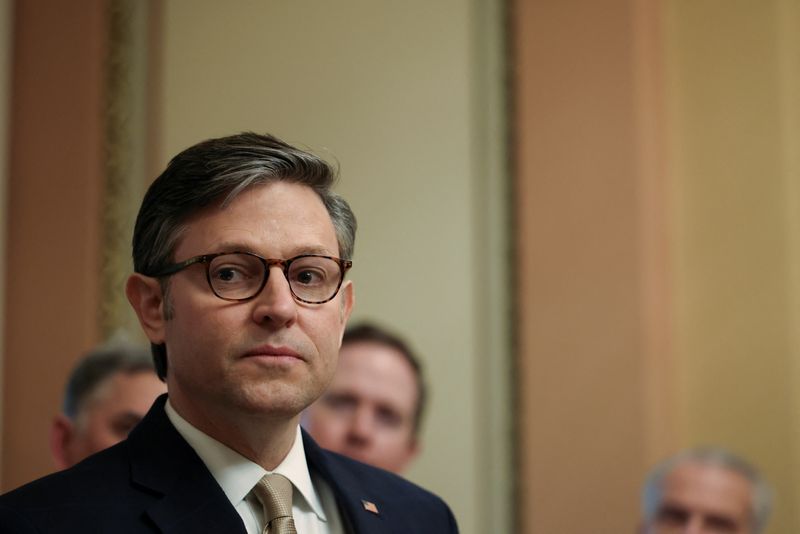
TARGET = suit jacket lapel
(351,495)
(164,464)
(187,498)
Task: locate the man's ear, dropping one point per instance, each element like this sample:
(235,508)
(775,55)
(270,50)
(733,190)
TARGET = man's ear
(144,294)
(414,448)
(62,433)
(347,302)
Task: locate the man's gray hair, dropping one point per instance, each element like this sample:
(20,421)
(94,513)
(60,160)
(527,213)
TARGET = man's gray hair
(761,494)
(99,365)
(214,172)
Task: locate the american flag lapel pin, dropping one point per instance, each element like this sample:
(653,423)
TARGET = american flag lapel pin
(370,507)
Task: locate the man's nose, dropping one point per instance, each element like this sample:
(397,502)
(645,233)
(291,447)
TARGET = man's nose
(360,431)
(694,526)
(275,303)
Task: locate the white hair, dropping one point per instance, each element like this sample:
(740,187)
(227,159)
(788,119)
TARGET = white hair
(761,494)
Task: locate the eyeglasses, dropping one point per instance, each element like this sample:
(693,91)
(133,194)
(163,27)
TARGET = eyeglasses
(313,278)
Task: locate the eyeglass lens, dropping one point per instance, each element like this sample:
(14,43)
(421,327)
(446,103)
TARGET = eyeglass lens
(241,276)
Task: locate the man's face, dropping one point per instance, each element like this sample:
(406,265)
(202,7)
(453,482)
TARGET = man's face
(368,411)
(703,499)
(269,356)
(115,407)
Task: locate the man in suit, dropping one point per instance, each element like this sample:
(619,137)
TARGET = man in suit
(240,252)
(373,408)
(705,491)
(107,394)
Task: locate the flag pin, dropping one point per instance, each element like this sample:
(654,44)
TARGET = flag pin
(370,507)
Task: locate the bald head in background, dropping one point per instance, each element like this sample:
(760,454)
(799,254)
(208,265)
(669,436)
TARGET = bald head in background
(373,408)
(107,394)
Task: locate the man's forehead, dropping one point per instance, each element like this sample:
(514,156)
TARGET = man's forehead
(380,357)
(254,192)
(377,367)
(275,210)
(696,473)
(709,486)
(123,384)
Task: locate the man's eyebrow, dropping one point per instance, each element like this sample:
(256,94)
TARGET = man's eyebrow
(720,521)
(672,511)
(315,249)
(339,395)
(232,246)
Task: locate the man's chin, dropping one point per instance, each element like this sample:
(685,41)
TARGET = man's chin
(275,401)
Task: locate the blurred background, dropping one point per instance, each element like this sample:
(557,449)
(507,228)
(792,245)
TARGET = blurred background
(584,215)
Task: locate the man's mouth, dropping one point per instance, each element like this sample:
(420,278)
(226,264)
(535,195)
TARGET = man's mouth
(270,352)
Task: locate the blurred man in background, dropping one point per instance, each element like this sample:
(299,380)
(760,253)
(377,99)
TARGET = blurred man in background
(107,394)
(373,408)
(705,491)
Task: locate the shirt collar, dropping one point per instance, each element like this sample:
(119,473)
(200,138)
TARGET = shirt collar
(236,474)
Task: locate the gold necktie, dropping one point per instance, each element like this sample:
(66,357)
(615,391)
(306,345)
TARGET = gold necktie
(275,493)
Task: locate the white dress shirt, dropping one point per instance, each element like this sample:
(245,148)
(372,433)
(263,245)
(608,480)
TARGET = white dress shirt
(313,502)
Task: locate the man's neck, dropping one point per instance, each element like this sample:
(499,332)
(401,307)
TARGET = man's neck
(264,439)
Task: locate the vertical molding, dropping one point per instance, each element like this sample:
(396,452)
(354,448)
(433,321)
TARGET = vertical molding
(654,223)
(788,20)
(6,29)
(674,101)
(493,260)
(119,162)
(125,144)
(154,80)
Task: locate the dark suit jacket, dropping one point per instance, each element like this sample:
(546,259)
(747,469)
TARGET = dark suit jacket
(155,482)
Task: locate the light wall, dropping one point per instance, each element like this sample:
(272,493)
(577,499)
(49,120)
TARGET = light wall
(406,97)
(735,126)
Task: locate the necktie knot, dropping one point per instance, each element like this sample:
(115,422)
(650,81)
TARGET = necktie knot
(275,493)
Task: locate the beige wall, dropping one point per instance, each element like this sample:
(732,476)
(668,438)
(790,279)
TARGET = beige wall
(403,95)
(735,130)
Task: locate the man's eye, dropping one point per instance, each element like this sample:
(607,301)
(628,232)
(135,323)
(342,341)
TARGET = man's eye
(341,403)
(718,523)
(388,417)
(122,425)
(672,515)
(226,275)
(231,274)
(310,277)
